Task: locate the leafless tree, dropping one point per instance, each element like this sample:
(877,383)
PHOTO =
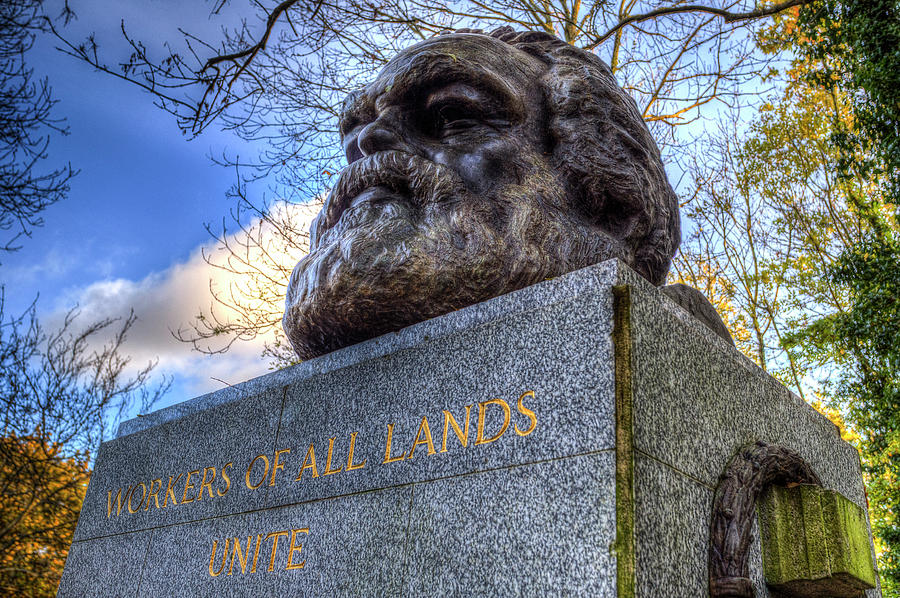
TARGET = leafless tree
(62,391)
(26,123)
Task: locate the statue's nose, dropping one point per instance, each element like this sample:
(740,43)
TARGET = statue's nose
(381,135)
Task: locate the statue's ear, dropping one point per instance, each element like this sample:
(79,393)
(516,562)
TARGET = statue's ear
(696,304)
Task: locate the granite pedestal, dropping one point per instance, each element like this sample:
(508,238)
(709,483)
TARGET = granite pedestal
(556,441)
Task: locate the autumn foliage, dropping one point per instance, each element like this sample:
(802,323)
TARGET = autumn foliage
(41,490)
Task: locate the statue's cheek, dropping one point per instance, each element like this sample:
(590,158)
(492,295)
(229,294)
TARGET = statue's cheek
(483,166)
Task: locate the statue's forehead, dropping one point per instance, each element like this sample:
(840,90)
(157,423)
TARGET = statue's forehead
(476,59)
(466,48)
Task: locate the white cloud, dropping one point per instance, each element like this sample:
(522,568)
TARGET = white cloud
(170,300)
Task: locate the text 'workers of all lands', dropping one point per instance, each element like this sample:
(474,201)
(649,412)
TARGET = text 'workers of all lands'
(341,456)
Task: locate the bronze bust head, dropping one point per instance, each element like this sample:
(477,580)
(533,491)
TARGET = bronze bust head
(479,164)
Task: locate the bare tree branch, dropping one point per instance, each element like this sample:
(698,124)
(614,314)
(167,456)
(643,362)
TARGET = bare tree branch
(728,17)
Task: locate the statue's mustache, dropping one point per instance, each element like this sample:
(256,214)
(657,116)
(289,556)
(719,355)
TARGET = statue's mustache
(416,179)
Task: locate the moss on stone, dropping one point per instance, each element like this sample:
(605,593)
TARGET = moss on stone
(622,345)
(815,543)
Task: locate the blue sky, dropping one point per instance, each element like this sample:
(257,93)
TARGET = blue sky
(131,230)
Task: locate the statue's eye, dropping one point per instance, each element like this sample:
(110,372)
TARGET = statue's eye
(451,118)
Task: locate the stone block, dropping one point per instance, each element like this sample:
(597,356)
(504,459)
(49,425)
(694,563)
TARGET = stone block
(671,531)
(815,543)
(156,476)
(567,383)
(698,400)
(555,441)
(105,567)
(348,546)
(537,530)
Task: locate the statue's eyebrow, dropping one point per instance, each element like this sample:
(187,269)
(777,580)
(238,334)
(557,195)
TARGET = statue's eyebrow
(431,72)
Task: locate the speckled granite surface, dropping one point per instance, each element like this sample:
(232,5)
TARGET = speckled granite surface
(296,467)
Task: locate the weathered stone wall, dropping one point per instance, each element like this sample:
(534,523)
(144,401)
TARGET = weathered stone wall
(360,466)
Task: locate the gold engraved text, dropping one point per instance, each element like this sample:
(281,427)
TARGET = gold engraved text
(231,546)
(495,418)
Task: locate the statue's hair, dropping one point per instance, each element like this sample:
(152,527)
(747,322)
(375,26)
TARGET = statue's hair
(613,169)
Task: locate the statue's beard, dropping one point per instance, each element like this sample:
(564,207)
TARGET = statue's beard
(402,239)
